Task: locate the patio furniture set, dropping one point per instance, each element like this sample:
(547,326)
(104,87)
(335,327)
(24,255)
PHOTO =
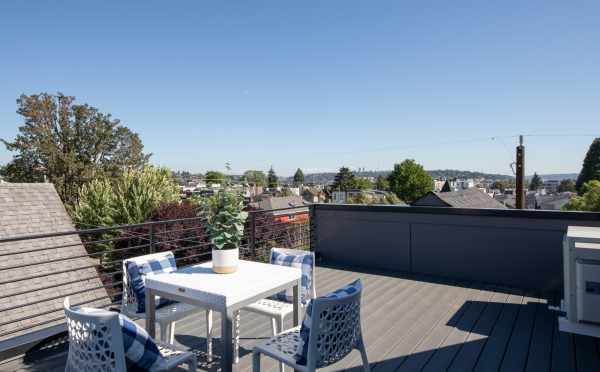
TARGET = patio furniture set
(155,290)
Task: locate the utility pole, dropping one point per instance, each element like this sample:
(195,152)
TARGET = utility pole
(520,197)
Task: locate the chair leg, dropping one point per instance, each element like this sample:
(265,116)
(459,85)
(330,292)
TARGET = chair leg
(236,337)
(192,363)
(172,333)
(278,325)
(163,332)
(274,326)
(363,355)
(255,361)
(209,330)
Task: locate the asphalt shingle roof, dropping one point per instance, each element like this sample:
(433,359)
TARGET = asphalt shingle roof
(468,198)
(35,208)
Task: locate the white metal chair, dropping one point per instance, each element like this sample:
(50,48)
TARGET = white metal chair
(96,343)
(167,315)
(277,310)
(335,330)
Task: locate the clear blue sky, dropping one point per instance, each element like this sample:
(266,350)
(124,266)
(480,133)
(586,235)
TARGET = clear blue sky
(320,84)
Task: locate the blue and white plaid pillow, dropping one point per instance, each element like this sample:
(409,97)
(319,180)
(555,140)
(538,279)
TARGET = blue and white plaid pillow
(305,262)
(302,351)
(141,352)
(137,269)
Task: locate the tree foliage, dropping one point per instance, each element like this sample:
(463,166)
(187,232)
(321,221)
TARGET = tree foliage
(255,177)
(381,183)
(589,199)
(591,166)
(215,177)
(344,180)
(127,199)
(536,182)
(362,183)
(272,179)
(409,181)
(298,177)
(69,144)
(566,185)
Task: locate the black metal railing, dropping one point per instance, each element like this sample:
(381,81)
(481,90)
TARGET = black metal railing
(38,271)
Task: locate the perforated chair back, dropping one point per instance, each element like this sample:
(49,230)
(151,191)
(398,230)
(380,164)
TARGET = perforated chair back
(95,340)
(335,329)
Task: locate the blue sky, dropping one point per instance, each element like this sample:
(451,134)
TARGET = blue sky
(321,84)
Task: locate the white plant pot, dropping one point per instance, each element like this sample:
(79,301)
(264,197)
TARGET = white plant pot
(225,261)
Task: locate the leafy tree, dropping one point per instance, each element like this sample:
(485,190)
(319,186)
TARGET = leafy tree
(128,199)
(409,180)
(536,182)
(381,183)
(298,177)
(589,199)
(566,185)
(69,144)
(272,180)
(215,177)
(503,184)
(591,166)
(344,180)
(255,177)
(361,183)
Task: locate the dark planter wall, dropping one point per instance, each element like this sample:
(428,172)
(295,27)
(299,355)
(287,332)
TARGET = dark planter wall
(520,249)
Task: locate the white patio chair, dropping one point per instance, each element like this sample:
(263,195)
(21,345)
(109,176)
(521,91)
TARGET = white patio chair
(334,331)
(278,309)
(97,343)
(166,315)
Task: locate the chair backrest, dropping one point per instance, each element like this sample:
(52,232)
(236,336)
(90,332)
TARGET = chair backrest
(311,290)
(95,340)
(150,263)
(335,329)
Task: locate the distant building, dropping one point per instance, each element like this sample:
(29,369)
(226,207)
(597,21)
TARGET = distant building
(280,205)
(551,186)
(469,198)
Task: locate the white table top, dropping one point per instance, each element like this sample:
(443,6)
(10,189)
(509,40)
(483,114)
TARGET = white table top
(200,283)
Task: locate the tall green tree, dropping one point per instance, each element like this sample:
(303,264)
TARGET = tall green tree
(566,185)
(215,177)
(272,180)
(591,166)
(298,177)
(362,183)
(255,177)
(409,180)
(536,182)
(344,180)
(589,199)
(69,144)
(381,183)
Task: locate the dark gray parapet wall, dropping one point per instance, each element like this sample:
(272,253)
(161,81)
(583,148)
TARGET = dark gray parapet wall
(513,248)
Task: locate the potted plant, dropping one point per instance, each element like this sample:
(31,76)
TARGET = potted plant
(226,218)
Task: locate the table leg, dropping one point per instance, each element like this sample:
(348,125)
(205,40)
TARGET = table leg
(150,313)
(296,291)
(227,339)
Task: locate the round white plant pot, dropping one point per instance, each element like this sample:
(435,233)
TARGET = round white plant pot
(225,261)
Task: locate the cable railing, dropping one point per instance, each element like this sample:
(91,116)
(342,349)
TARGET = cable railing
(38,271)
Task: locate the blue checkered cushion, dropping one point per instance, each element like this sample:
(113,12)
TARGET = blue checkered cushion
(305,262)
(138,268)
(302,351)
(141,352)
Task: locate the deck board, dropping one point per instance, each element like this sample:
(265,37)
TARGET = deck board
(410,323)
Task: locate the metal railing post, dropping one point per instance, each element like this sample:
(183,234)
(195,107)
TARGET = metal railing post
(151,239)
(312,227)
(252,242)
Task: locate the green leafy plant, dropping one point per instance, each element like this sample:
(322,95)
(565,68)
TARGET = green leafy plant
(226,219)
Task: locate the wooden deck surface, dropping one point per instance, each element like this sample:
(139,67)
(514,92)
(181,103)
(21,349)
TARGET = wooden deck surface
(410,323)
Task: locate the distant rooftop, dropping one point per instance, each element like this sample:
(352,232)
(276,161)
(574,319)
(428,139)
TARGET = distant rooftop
(468,198)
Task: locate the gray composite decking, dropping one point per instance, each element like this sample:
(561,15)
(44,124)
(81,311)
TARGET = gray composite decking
(410,323)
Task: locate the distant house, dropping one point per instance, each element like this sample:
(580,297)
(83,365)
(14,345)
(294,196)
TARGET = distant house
(314,195)
(35,208)
(298,208)
(469,198)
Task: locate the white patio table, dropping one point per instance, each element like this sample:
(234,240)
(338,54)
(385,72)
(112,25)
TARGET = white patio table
(225,293)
